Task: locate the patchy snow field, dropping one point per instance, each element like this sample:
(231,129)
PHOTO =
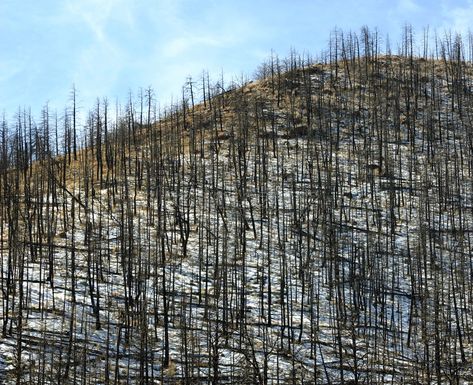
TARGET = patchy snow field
(254,251)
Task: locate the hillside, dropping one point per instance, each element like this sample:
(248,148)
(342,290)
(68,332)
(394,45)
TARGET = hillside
(312,226)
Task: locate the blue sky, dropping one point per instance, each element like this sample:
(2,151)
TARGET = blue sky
(108,48)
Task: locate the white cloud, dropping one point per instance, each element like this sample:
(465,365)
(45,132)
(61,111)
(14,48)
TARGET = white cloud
(9,69)
(182,45)
(100,57)
(408,6)
(458,19)
(96,14)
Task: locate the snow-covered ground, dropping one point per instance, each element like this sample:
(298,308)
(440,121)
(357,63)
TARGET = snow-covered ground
(294,259)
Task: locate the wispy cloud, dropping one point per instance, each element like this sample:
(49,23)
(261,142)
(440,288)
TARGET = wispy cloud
(96,14)
(99,55)
(458,18)
(181,45)
(406,7)
(107,47)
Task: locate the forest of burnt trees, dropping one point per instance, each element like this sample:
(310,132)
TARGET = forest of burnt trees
(311,226)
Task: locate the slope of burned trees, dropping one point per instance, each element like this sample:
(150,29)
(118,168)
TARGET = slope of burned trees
(313,226)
